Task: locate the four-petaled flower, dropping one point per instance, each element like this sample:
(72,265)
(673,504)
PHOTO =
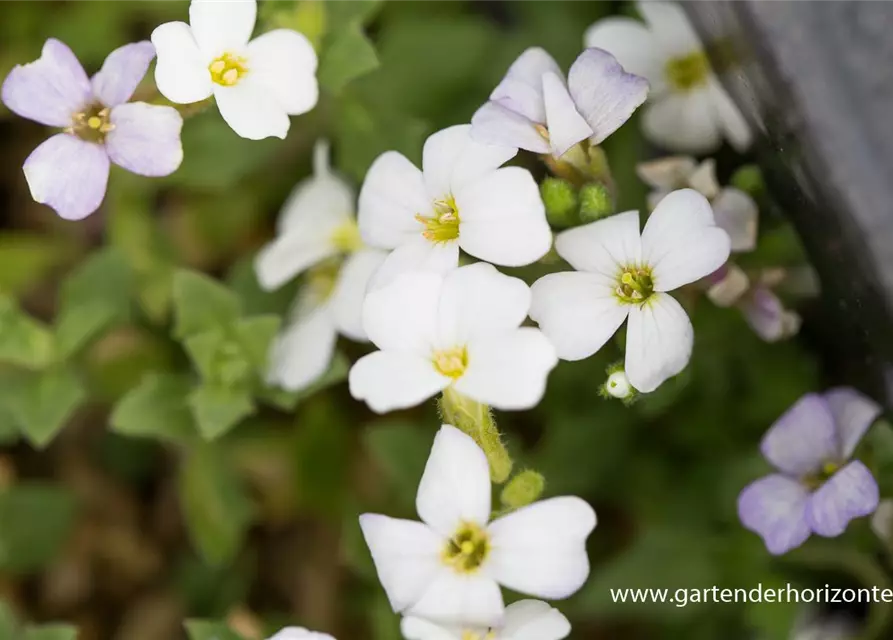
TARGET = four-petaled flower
(817,488)
(690,110)
(460,331)
(461,200)
(257,85)
(70,171)
(523,620)
(300,633)
(623,273)
(534,108)
(449,567)
(317,233)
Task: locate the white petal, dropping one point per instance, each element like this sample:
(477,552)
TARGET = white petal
(300,633)
(731,121)
(541,549)
(181,70)
(659,340)
(681,242)
(683,122)
(496,124)
(502,219)
(391,380)
(477,301)
(414,628)
(533,620)
(285,63)
(522,88)
(406,556)
(508,371)
(251,109)
(737,214)
(604,247)
(578,312)
(703,179)
(455,487)
(317,205)
(632,44)
(350,291)
(287,256)
(417,255)
(667,173)
(303,352)
(221,27)
(392,194)
(452,160)
(566,126)
(473,598)
(604,94)
(403,316)
(671,27)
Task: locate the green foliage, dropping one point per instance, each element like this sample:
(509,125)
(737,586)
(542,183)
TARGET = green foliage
(37,520)
(206,630)
(202,304)
(41,403)
(156,408)
(23,341)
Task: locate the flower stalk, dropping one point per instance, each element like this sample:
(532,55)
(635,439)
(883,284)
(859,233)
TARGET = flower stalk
(476,420)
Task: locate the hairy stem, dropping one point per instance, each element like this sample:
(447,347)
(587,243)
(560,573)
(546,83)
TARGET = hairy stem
(476,420)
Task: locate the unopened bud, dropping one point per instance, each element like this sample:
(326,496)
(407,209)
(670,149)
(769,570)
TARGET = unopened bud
(560,199)
(524,489)
(618,386)
(595,202)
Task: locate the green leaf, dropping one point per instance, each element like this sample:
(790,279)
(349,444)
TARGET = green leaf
(41,403)
(52,632)
(77,326)
(215,505)
(202,303)
(157,408)
(288,400)
(357,12)
(218,409)
(255,335)
(103,278)
(8,624)
(36,521)
(400,449)
(308,17)
(322,460)
(208,630)
(348,56)
(23,340)
(217,358)
(27,258)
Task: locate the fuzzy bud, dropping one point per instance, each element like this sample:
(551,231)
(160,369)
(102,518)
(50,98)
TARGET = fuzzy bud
(525,488)
(560,199)
(595,202)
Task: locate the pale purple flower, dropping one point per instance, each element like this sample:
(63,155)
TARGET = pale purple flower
(69,172)
(767,315)
(817,488)
(536,109)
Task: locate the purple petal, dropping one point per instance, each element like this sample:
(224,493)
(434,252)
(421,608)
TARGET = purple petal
(522,88)
(122,72)
(851,493)
(764,313)
(69,175)
(604,93)
(775,508)
(803,439)
(566,126)
(737,214)
(49,90)
(496,124)
(146,138)
(853,414)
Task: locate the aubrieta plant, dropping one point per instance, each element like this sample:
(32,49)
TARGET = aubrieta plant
(406,258)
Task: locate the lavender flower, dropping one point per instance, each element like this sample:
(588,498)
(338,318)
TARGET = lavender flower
(816,490)
(69,172)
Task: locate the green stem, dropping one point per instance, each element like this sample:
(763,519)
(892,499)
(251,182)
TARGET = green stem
(476,420)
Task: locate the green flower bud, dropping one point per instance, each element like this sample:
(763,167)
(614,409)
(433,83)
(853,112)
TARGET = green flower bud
(749,179)
(595,202)
(560,199)
(525,488)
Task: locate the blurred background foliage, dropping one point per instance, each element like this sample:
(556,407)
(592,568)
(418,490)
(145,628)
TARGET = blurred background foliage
(147,477)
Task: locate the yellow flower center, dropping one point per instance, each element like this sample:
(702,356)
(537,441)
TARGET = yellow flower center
(443,226)
(542,130)
(346,237)
(451,362)
(321,279)
(688,72)
(820,477)
(228,69)
(468,634)
(92,124)
(467,550)
(634,285)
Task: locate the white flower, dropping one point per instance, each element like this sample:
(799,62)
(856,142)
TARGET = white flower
(256,84)
(300,633)
(690,110)
(623,273)
(524,620)
(534,108)
(448,568)
(461,200)
(317,231)
(735,211)
(462,331)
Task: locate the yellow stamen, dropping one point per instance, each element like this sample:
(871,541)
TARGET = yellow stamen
(443,226)
(94,122)
(228,69)
(542,130)
(688,72)
(467,550)
(634,285)
(451,362)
